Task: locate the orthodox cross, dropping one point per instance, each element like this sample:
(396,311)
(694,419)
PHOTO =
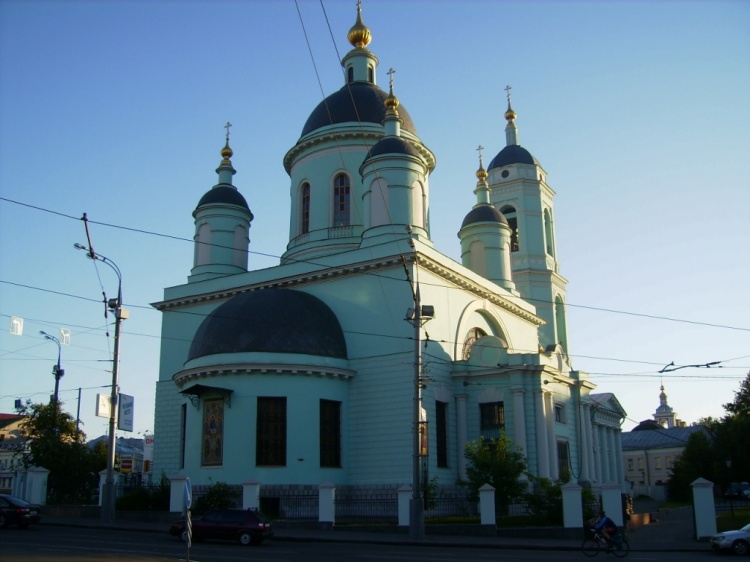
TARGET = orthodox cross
(480,148)
(391,72)
(227,128)
(507,90)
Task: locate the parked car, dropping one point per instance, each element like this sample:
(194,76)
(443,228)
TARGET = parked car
(15,511)
(245,525)
(736,541)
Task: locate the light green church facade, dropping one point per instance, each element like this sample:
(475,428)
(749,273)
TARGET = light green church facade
(304,373)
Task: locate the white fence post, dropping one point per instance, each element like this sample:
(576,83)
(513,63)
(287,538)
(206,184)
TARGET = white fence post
(251,495)
(704,508)
(487,505)
(612,502)
(327,504)
(176,493)
(572,506)
(404,495)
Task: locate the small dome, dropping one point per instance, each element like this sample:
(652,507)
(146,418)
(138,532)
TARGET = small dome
(484,213)
(369,107)
(223,195)
(270,321)
(359,35)
(392,145)
(512,154)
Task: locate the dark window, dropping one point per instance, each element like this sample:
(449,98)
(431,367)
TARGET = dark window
(350,74)
(330,434)
(559,413)
(341,201)
(491,419)
(183,425)
(510,215)
(563,460)
(305,209)
(270,442)
(371,74)
(441,421)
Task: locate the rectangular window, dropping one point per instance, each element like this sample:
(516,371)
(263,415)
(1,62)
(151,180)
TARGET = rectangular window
(559,413)
(341,201)
(491,419)
(305,208)
(658,463)
(183,427)
(270,439)
(630,464)
(213,432)
(669,462)
(330,434)
(640,463)
(563,460)
(441,422)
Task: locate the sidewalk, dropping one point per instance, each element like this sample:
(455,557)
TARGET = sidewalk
(673,532)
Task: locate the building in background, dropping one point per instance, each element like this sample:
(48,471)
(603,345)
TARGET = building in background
(306,372)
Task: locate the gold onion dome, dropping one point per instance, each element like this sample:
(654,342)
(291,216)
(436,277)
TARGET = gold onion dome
(226,152)
(391,102)
(359,35)
(482,173)
(510,115)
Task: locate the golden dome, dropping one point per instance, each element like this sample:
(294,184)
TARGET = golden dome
(226,152)
(359,35)
(510,115)
(482,173)
(391,102)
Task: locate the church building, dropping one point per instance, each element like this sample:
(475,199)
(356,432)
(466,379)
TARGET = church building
(365,339)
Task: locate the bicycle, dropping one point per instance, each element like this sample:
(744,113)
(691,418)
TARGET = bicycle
(596,542)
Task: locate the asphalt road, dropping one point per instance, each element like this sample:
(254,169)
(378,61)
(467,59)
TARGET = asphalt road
(69,544)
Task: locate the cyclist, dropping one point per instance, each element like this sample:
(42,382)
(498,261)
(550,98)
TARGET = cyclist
(606,527)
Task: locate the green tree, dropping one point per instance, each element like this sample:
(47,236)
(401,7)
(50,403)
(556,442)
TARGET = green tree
(698,460)
(57,445)
(496,462)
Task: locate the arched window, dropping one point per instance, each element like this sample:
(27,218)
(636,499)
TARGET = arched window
(305,208)
(350,74)
(549,238)
(560,323)
(510,215)
(341,201)
(473,335)
(371,74)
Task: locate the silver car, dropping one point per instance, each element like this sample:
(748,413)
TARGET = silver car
(736,541)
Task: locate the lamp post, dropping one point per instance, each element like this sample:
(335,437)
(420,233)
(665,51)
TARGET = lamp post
(417,316)
(56,370)
(115,305)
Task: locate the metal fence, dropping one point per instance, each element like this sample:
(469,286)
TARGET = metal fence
(300,504)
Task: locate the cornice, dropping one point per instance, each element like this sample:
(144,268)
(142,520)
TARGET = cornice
(206,373)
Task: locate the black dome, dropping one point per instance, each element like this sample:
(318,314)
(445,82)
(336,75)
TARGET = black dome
(223,195)
(392,145)
(369,101)
(484,213)
(272,321)
(512,154)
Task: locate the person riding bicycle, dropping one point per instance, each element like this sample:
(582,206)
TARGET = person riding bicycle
(606,527)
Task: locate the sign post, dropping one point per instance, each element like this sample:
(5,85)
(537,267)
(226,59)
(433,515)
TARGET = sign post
(188,523)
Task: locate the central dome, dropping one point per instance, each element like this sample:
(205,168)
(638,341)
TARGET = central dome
(271,321)
(355,102)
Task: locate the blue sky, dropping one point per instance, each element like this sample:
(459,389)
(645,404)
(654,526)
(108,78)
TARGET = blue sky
(637,111)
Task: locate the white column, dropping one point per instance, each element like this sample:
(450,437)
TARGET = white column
(542,451)
(462,436)
(613,472)
(519,420)
(590,439)
(583,443)
(551,440)
(604,454)
(597,453)
(618,457)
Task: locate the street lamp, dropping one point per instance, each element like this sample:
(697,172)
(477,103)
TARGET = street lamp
(417,316)
(115,305)
(56,370)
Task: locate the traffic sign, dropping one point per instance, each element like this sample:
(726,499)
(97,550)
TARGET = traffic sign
(188,493)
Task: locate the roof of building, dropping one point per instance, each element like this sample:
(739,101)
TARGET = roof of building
(271,321)
(392,145)
(484,213)
(223,195)
(664,438)
(355,102)
(512,154)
